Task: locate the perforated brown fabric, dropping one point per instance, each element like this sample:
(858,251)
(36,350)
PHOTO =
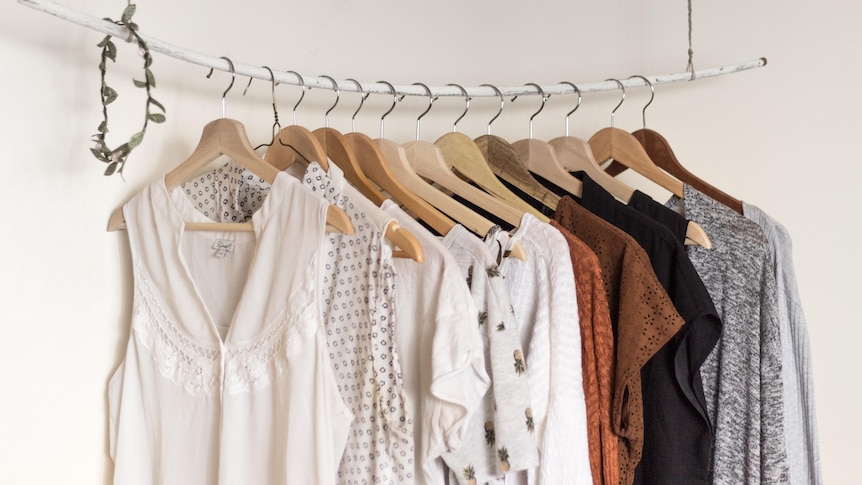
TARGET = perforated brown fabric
(642,316)
(597,357)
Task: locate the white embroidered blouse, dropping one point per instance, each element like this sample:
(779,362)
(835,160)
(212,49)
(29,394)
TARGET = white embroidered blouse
(226,378)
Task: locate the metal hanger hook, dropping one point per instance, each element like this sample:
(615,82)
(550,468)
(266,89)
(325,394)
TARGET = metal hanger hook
(651,96)
(545,98)
(431,99)
(301,83)
(362,98)
(232,79)
(580,98)
(502,102)
(276,126)
(394,102)
(337,97)
(623,89)
(467,99)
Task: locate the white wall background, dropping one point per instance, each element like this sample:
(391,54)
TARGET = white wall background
(783,137)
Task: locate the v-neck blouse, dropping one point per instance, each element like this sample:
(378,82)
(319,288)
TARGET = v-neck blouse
(258,405)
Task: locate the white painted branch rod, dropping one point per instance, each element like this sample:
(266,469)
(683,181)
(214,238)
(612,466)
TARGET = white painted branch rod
(156,45)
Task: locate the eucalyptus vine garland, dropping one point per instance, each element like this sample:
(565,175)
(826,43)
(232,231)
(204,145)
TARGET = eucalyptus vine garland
(116,158)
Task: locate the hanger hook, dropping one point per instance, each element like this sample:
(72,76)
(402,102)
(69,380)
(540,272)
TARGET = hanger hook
(276,125)
(623,89)
(337,97)
(577,90)
(431,99)
(394,101)
(502,102)
(467,99)
(362,98)
(232,79)
(301,83)
(651,96)
(545,98)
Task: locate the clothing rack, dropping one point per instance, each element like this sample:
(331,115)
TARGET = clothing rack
(283,77)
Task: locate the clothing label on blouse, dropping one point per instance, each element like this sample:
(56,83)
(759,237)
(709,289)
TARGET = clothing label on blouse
(222,247)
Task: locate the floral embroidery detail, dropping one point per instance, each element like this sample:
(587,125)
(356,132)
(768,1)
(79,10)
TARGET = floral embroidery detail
(483,318)
(501,326)
(529,414)
(493,271)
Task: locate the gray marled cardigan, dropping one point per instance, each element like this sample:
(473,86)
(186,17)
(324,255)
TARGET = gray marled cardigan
(742,377)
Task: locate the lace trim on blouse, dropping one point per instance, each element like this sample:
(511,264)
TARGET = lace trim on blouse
(249,366)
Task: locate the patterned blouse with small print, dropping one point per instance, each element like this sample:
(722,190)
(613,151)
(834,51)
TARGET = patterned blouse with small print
(501,435)
(359,312)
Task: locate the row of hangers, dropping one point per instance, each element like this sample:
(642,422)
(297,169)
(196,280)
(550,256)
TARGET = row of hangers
(406,171)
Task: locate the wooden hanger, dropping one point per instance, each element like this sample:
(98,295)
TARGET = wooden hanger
(395,158)
(295,140)
(463,155)
(615,144)
(338,151)
(635,156)
(360,190)
(539,157)
(659,150)
(427,160)
(575,155)
(228,137)
(373,164)
(504,163)
(504,160)
(301,140)
(398,161)
(375,167)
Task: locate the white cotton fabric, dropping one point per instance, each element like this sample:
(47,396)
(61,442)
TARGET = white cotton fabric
(440,347)
(542,293)
(226,379)
(501,436)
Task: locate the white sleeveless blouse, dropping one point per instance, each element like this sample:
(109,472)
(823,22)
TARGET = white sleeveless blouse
(226,379)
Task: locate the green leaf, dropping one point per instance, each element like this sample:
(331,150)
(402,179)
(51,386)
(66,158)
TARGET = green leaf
(159,105)
(156,117)
(103,127)
(97,154)
(132,26)
(128,12)
(151,80)
(124,149)
(109,94)
(112,167)
(111,51)
(139,84)
(148,60)
(136,139)
(104,41)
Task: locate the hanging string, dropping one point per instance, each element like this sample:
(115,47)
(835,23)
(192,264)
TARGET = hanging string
(690,67)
